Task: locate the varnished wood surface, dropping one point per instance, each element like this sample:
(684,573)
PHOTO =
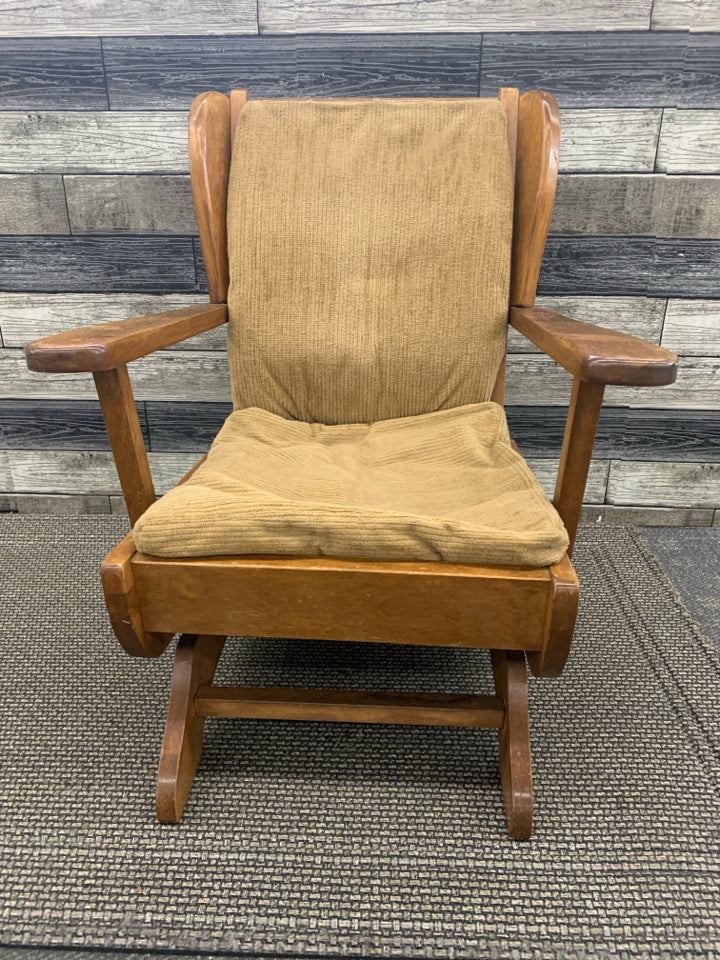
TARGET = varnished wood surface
(196,659)
(126,438)
(210,171)
(327,598)
(595,353)
(354,706)
(551,660)
(123,607)
(583,417)
(514,741)
(538,158)
(107,345)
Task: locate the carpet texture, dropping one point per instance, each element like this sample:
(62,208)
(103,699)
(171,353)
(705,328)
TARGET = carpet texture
(328,840)
(690,557)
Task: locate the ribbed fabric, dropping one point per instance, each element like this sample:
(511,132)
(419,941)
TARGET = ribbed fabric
(369,247)
(440,486)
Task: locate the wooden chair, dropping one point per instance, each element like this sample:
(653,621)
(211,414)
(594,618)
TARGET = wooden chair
(150,599)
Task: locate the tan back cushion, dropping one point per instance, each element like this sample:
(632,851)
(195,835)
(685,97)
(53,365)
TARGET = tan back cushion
(369,246)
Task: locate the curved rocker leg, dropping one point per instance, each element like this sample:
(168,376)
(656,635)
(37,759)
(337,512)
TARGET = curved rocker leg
(515,759)
(195,661)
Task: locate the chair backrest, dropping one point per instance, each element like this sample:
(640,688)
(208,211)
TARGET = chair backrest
(368,266)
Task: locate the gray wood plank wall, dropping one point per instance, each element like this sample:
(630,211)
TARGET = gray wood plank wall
(97,220)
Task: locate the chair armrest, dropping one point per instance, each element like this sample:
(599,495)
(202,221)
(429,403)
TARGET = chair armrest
(104,346)
(596,354)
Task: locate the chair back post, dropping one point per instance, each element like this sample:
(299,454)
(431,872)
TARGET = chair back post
(209,148)
(536,171)
(509,98)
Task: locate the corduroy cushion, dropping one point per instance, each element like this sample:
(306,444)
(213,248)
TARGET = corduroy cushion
(369,248)
(440,486)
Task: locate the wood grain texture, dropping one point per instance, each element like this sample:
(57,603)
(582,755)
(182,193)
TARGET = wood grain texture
(26,18)
(32,204)
(168,72)
(639,316)
(533,379)
(6,478)
(59,505)
(134,203)
(697,387)
(538,380)
(692,327)
(156,141)
(57,425)
(546,470)
(648,516)
(689,141)
(685,15)
(93,142)
(345,16)
(623,433)
(615,140)
(689,207)
(52,73)
(191,426)
(97,263)
(577,450)
(187,426)
(126,439)
(608,204)
(649,205)
(353,706)
(94,472)
(593,353)
(538,144)
(631,265)
(28,316)
(166,375)
(595,69)
(196,659)
(77,472)
(340,599)
(664,484)
(106,346)
(213,118)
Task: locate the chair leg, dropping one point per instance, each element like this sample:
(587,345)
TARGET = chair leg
(515,760)
(196,659)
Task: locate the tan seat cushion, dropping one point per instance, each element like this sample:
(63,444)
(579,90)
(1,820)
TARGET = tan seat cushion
(369,251)
(440,486)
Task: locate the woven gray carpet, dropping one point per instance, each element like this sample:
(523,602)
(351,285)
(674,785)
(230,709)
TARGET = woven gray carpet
(330,840)
(690,556)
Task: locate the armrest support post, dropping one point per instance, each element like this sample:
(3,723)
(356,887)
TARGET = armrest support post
(582,423)
(128,447)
